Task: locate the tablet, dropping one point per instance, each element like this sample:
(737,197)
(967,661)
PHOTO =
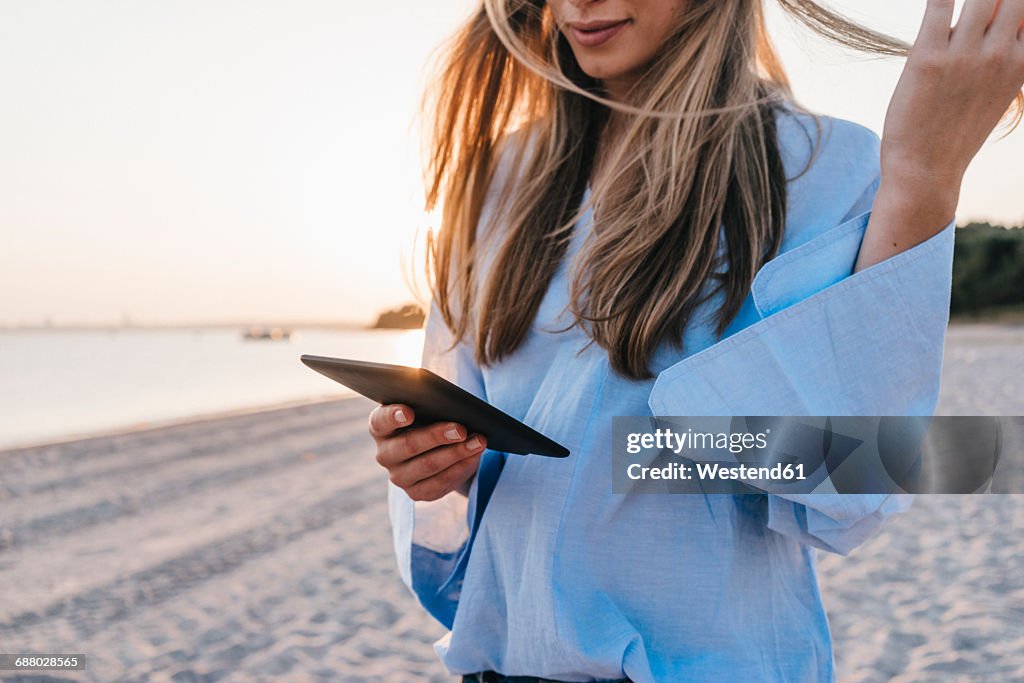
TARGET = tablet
(435,399)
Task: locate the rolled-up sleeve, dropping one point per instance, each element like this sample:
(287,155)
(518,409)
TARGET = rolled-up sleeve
(828,341)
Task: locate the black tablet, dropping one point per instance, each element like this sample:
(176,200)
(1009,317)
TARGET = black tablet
(435,399)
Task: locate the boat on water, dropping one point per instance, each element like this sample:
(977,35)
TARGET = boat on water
(268,333)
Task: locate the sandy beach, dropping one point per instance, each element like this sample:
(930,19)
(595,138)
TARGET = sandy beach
(256,547)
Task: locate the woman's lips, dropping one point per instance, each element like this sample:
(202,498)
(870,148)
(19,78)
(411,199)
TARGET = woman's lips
(599,36)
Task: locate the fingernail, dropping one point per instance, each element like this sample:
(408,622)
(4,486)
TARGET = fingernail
(400,416)
(452,434)
(474,443)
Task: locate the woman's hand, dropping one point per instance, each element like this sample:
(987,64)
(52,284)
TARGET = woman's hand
(955,88)
(426,462)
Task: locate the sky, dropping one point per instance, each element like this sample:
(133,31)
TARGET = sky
(200,161)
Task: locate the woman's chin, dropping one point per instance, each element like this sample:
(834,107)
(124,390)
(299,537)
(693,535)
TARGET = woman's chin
(602,69)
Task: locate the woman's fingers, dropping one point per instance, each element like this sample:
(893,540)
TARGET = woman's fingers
(444,481)
(401,447)
(1008,18)
(428,462)
(385,419)
(975,18)
(435,462)
(936,25)
(998,20)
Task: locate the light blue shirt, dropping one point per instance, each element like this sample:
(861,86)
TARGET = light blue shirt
(544,571)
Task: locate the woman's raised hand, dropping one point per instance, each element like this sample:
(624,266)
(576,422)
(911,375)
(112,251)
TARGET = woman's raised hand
(957,84)
(426,462)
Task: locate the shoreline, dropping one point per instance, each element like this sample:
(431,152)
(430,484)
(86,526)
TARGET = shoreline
(157,425)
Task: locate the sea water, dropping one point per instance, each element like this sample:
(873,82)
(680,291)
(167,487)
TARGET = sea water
(60,384)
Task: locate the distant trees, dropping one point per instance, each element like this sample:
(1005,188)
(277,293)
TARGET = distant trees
(408,317)
(988,268)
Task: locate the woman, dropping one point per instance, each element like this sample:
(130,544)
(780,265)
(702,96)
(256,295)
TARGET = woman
(638,220)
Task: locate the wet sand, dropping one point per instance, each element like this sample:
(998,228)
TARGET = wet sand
(257,548)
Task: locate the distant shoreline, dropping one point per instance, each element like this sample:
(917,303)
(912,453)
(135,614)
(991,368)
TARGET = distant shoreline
(184,326)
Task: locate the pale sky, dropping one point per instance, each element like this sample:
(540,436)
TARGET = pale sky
(183,160)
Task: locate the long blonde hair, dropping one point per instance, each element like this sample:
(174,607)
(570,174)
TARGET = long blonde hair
(699,153)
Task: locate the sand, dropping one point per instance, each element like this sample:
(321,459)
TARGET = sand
(257,548)
(938,594)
